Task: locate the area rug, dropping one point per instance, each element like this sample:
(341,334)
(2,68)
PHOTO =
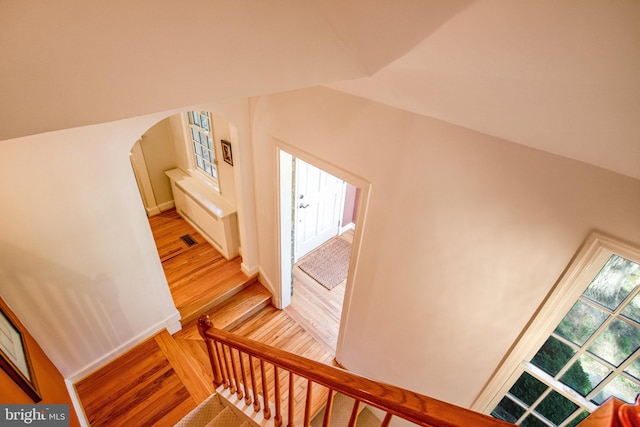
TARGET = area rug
(329,264)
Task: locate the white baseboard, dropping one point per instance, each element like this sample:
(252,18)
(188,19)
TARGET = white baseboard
(167,205)
(77,406)
(249,271)
(348,227)
(170,324)
(157,210)
(152,211)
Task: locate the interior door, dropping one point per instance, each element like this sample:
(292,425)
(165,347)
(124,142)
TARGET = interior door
(319,197)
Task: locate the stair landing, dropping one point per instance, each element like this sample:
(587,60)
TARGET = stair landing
(200,278)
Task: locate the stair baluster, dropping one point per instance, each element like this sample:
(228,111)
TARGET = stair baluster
(327,410)
(291,400)
(265,391)
(254,384)
(235,373)
(387,420)
(354,414)
(278,396)
(204,323)
(229,371)
(247,394)
(221,361)
(307,406)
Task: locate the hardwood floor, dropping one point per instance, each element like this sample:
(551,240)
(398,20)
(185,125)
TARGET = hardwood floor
(198,275)
(142,388)
(163,378)
(317,308)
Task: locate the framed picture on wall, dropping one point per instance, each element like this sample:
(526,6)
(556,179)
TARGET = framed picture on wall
(14,357)
(226,152)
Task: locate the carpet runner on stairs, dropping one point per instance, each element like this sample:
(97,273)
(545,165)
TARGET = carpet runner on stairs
(215,411)
(341,413)
(212,413)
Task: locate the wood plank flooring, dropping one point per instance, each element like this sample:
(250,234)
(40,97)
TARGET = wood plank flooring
(199,276)
(317,308)
(141,388)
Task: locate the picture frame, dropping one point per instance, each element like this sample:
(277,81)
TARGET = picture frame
(227,155)
(14,357)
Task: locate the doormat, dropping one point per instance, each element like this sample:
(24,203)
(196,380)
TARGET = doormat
(329,264)
(188,240)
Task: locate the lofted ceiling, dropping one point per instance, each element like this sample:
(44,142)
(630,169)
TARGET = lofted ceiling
(558,75)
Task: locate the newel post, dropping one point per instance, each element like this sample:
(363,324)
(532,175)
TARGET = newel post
(204,324)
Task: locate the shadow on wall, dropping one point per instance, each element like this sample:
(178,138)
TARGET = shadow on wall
(30,283)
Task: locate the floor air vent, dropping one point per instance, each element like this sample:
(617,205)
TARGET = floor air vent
(188,240)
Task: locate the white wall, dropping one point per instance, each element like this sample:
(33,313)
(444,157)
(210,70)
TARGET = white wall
(78,264)
(464,236)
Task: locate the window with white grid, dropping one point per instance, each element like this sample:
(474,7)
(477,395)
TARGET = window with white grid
(201,133)
(591,354)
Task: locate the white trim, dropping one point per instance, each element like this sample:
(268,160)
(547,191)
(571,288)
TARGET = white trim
(249,271)
(166,206)
(153,211)
(170,323)
(77,405)
(194,170)
(362,209)
(348,227)
(591,257)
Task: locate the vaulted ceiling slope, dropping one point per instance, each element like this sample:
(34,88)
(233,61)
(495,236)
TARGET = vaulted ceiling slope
(559,75)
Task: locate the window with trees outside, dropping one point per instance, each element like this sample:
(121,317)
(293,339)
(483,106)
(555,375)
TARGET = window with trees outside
(590,348)
(201,133)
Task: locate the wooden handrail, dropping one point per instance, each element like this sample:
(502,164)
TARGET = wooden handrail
(414,407)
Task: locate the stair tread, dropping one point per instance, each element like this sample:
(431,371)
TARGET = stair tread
(216,296)
(203,413)
(341,412)
(240,306)
(226,418)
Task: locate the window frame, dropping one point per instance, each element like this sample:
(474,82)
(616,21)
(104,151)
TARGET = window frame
(194,170)
(586,264)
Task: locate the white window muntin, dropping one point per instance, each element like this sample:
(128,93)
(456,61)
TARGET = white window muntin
(201,145)
(592,257)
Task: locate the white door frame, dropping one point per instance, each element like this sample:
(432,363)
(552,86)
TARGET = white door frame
(284,154)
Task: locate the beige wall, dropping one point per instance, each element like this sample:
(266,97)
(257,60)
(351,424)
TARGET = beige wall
(159,156)
(464,235)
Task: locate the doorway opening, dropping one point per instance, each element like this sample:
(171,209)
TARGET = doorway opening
(187,194)
(321,220)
